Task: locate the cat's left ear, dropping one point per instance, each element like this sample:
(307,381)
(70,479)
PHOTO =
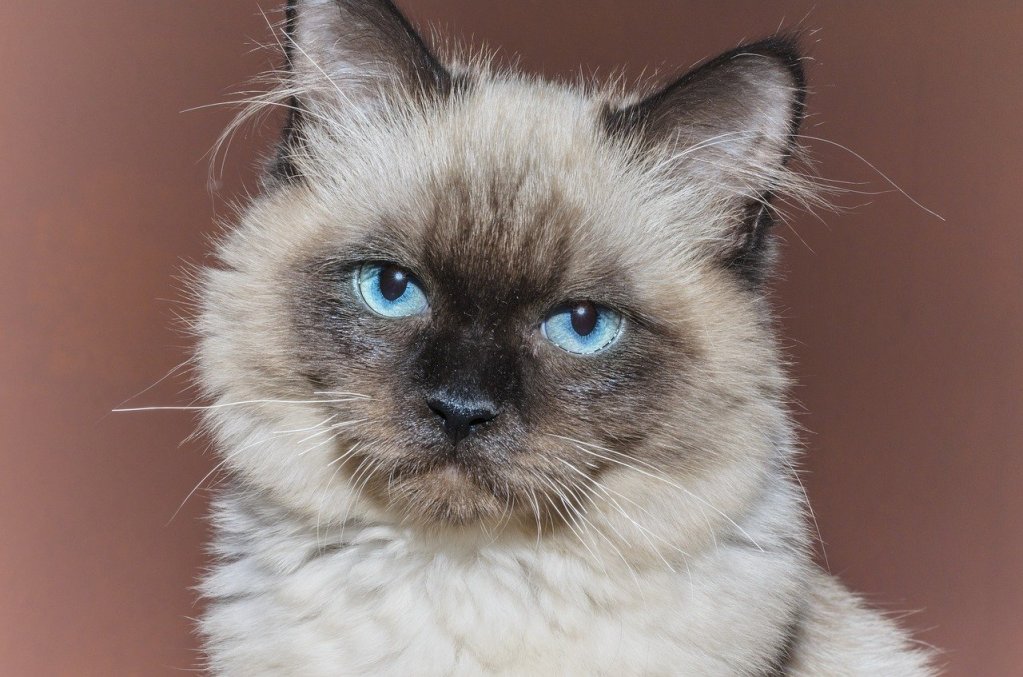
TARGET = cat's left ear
(729,125)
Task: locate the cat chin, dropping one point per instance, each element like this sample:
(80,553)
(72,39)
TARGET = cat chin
(444,494)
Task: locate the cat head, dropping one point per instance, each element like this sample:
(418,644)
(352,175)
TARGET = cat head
(470,298)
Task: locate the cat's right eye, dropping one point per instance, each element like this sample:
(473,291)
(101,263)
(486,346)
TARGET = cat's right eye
(389,290)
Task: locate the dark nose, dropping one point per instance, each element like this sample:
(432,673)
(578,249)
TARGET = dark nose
(461,416)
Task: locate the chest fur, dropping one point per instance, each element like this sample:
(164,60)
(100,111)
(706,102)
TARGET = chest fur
(382,606)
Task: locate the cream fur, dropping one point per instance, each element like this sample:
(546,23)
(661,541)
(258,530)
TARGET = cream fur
(380,600)
(698,566)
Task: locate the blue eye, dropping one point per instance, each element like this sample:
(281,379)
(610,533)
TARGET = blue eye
(583,328)
(389,290)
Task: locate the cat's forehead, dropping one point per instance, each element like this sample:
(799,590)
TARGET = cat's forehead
(515,236)
(511,189)
(500,235)
(511,185)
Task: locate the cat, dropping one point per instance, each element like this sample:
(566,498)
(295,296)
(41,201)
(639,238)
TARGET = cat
(495,382)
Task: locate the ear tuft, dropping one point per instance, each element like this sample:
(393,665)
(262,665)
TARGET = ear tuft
(347,59)
(730,125)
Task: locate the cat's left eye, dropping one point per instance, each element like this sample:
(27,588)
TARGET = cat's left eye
(582,327)
(389,290)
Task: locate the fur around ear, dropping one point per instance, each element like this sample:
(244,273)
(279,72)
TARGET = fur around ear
(352,56)
(730,123)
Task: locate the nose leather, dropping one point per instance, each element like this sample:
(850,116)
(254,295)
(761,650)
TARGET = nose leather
(461,416)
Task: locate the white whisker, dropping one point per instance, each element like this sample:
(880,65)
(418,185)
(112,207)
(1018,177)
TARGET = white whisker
(326,486)
(568,519)
(336,428)
(644,532)
(581,513)
(582,446)
(221,405)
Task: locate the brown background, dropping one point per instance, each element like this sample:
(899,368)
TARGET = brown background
(906,331)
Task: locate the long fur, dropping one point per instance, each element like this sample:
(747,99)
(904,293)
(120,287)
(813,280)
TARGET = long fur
(637,514)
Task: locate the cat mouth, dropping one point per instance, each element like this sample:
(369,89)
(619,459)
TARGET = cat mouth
(450,468)
(470,486)
(455,489)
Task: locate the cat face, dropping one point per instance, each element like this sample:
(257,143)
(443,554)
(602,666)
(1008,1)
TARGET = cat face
(472,298)
(517,321)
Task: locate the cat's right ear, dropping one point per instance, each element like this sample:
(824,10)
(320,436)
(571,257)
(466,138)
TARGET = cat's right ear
(346,59)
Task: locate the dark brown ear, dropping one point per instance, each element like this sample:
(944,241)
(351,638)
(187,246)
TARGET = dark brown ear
(729,124)
(346,58)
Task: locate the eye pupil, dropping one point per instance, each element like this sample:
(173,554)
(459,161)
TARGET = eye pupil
(584,318)
(393,282)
